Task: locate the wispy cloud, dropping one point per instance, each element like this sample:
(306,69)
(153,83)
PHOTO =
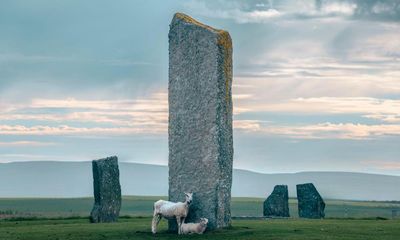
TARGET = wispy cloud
(26,143)
(235,13)
(144,115)
(323,130)
(387,110)
(382,165)
(247,125)
(150,116)
(78,131)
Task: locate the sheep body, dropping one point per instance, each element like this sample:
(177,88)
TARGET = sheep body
(199,228)
(169,210)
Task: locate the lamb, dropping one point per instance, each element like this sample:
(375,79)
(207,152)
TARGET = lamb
(169,210)
(199,228)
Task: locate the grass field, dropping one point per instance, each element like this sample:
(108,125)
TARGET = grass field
(44,218)
(139,228)
(142,206)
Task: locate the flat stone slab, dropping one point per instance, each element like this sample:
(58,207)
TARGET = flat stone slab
(277,204)
(200,119)
(107,190)
(310,203)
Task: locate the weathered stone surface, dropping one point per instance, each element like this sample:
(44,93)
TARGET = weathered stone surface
(107,190)
(200,119)
(277,204)
(310,203)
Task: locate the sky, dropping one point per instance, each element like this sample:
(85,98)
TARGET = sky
(316,84)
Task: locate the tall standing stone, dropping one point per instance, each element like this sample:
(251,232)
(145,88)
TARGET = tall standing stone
(277,204)
(200,119)
(107,190)
(310,203)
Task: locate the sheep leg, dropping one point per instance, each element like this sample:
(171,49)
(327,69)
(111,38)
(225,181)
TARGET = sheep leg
(154,223)
(178,220)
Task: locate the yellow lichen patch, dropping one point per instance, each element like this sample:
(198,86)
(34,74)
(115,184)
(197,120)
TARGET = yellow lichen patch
(191,20)
(225,42)
(224,39)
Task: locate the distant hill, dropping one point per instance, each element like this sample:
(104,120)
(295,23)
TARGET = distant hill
(74,179)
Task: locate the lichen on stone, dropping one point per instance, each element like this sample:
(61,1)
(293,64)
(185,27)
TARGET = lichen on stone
(225,42)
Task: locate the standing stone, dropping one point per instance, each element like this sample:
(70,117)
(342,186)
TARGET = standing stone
(200,120)
(277,204)
(310,203)
(107,190)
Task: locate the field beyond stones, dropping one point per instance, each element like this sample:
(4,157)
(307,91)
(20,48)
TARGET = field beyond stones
(46,218)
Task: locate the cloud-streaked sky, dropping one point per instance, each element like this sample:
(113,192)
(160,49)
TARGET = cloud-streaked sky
(316,83)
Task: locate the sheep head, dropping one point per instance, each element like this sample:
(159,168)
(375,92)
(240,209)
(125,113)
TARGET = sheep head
(189,197)
(203,221)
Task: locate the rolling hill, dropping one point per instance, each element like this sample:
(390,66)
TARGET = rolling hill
(74,179)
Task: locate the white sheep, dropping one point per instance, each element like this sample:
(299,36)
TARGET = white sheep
(199,228)
(169,210)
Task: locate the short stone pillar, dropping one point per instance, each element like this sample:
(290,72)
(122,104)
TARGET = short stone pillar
(277,204)
(200,120)
(310,203)
(107,190)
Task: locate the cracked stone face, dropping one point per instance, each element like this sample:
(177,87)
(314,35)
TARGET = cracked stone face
(107,190)
(200,119)
(277,204)
(310,203)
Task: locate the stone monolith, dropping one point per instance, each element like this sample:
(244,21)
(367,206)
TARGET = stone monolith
(107,190)
(277,204)
(310,203)
(200,119)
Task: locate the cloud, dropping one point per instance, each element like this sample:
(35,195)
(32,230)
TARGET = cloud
(26,143)
(323,130)
(259,12)
(387,10)
(142,115)
(383,165)
(146,115)
(77,131)
(235,13)
(149,115)
(315,131)
(342,8)
(247,125)
(385,110)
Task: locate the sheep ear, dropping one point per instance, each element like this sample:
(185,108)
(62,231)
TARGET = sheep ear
(186,193)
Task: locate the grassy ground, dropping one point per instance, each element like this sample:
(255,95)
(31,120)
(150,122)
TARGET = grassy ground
(139,228)
(142,206)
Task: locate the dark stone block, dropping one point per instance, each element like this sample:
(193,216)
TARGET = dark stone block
(107,190)
(277,204)
(310,203)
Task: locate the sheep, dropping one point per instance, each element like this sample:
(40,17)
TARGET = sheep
(199,228)
(169,210)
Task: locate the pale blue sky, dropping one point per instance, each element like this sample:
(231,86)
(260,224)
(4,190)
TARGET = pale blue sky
(316,83)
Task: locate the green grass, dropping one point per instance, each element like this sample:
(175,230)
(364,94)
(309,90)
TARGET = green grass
(45,218)
(139,228)
(142,206)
